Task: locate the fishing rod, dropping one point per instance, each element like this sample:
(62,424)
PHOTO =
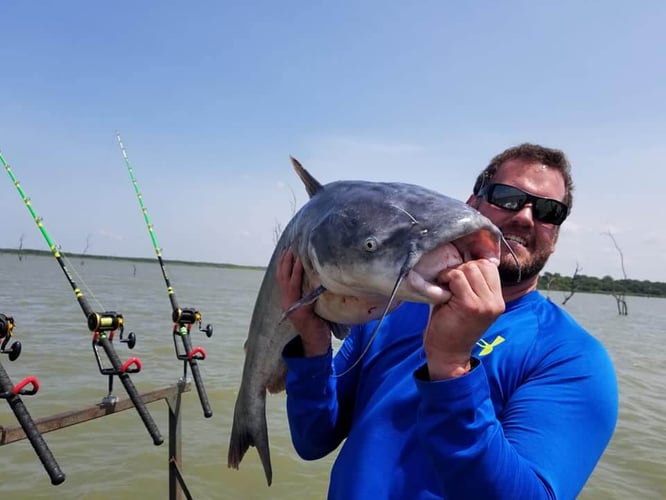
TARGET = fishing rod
(183,319)
(27,387)
(103,325)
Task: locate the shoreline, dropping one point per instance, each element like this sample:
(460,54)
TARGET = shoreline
(652,288)
(46,253)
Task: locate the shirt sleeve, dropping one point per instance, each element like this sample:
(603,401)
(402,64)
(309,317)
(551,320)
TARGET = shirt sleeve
(543,444)
(319,404)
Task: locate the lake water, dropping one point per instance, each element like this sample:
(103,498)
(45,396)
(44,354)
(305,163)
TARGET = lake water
(114,457)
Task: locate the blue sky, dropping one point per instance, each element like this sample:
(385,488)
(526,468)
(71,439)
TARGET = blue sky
(211,98)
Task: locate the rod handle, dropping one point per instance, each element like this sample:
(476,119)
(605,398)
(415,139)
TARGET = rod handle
(32,433)
(196,374)
(142,409)
(132,392)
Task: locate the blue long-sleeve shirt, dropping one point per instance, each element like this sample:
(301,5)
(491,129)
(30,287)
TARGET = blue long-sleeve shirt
(530,421)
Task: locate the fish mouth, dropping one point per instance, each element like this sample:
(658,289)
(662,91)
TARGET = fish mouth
(425,290)
(421,280)
(484,244)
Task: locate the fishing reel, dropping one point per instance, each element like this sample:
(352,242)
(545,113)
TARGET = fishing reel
(111,321)
(187,317)
(104,326)
(29,385)
(183,320)
(6,328)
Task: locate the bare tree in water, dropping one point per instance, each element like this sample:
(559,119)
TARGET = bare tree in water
(20,248)
(85,249)
(574,285)
(620,295)
(277,230)
(548,283)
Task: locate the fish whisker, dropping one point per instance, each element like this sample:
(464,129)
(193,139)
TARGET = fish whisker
(303,301)
(378,326)
(513,254)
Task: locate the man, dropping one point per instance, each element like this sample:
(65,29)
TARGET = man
(497,393)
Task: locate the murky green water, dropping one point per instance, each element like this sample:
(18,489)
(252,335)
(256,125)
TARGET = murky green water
(114,457)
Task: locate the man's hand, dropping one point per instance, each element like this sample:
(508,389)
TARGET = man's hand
(456,326)
(314,331)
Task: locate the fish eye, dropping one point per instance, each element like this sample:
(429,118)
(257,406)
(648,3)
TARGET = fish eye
(424,232)
(370,244)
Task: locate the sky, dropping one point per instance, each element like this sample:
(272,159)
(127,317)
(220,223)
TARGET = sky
(212,97)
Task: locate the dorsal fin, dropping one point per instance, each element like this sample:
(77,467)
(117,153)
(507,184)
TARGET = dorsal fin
(312,185)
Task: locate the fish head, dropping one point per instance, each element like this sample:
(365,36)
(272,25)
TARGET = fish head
(386,235)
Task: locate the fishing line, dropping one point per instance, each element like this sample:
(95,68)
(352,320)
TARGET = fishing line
(183,319)
(376,329)
(392,297)
(103,325)
(80,279)
(515,257)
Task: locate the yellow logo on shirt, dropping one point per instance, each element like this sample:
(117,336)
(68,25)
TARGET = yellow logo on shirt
(487,348)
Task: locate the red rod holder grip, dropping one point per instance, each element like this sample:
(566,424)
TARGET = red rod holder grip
(132,365)
(197,353)
(19,388)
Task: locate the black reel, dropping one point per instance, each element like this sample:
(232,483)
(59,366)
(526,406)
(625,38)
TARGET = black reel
(130,340)
(104,326)
(6,327)
(105,322)
(108,322)
(208,330)
(189,316)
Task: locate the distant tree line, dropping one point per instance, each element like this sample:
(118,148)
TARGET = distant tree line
(607,285)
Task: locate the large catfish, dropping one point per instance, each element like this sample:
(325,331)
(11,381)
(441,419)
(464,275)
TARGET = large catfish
(365,247)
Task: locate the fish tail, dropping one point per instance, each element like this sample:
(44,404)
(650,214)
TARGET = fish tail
(244,435)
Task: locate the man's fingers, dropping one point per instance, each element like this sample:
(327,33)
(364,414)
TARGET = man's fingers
(297,272)
(491,277)
(285,263)
(482,278)
(472,280)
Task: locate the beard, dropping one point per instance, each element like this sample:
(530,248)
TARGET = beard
(512,272)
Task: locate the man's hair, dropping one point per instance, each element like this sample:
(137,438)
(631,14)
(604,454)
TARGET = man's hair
(552,158)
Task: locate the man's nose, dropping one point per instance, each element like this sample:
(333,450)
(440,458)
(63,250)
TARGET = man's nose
(525,215)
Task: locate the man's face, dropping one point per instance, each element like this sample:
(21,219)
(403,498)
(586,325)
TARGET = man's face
(531,240)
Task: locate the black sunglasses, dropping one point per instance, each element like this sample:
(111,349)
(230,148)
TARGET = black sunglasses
(511,198)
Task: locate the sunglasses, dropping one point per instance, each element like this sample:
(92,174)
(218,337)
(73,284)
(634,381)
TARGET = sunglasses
(511,198)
